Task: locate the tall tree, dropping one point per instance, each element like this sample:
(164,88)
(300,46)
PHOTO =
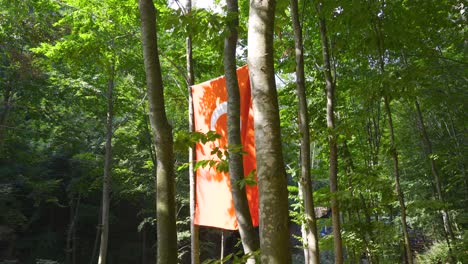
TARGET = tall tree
(396,174)
(162,134)
(379,36)
(247,232)
(332,136)
(311,250)
(272,181)
(5,110)
(194,229)
(448,232)
(106,180)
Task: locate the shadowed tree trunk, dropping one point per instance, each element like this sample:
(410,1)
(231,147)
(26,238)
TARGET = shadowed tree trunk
(452,131)
(106,180)
(311,250)
(70,241)
(396,173)
(162,134)
(333,158)
(448,232)
(4,111)
(272,181)
(366,234)
(249,237)
(194,229)
(96,238)
(393,149)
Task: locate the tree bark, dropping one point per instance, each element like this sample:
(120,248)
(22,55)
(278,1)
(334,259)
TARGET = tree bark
(250,240)
(366,234)
(106,180)
(96,238)
(7,98)
(305,184)
(333,158)
(144,258)
(272,179)
(194,229)
(70,244)
(162,133)
(376,24)
(396,173)
(452,131)
(448,232)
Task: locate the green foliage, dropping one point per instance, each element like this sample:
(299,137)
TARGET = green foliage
(184,140)
(56,58)
(437,253)
(235,258)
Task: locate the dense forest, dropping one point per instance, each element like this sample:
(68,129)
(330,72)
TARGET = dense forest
(360,112)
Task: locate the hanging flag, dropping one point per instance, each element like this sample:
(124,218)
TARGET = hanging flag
(214,205)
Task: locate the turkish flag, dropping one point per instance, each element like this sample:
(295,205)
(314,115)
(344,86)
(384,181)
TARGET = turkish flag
(214,205)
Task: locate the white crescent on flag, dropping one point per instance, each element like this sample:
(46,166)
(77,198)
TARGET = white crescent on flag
(217,113)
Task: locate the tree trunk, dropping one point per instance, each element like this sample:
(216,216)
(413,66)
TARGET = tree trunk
(305,184)
(304,231)
(96,238)
(143,245)
(376,25)
(366,234)
(194,229)
(106,180)
(162,133)
(461,157)
(7,96)
(149,137)
(448,232)
(70,244)
(396,173)
(223,245)
(333,158)
(272,179)
(249,237)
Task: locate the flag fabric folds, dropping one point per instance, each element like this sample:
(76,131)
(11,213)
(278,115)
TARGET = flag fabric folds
(214,205)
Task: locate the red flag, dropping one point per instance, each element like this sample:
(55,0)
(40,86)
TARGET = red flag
(214,205)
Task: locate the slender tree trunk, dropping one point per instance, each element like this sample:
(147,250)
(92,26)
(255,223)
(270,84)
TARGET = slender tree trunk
(7,96)
(143,245)
(376,24)
(194,229)
(106,180)
(396,173)
(96,238)
(223,244)
(70,244)
(250,240)
(75,244)
(367,233)
(448,232)
(374,136)
(162,133)
(461,159)
(305,184)
(333,158)
(272,179)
